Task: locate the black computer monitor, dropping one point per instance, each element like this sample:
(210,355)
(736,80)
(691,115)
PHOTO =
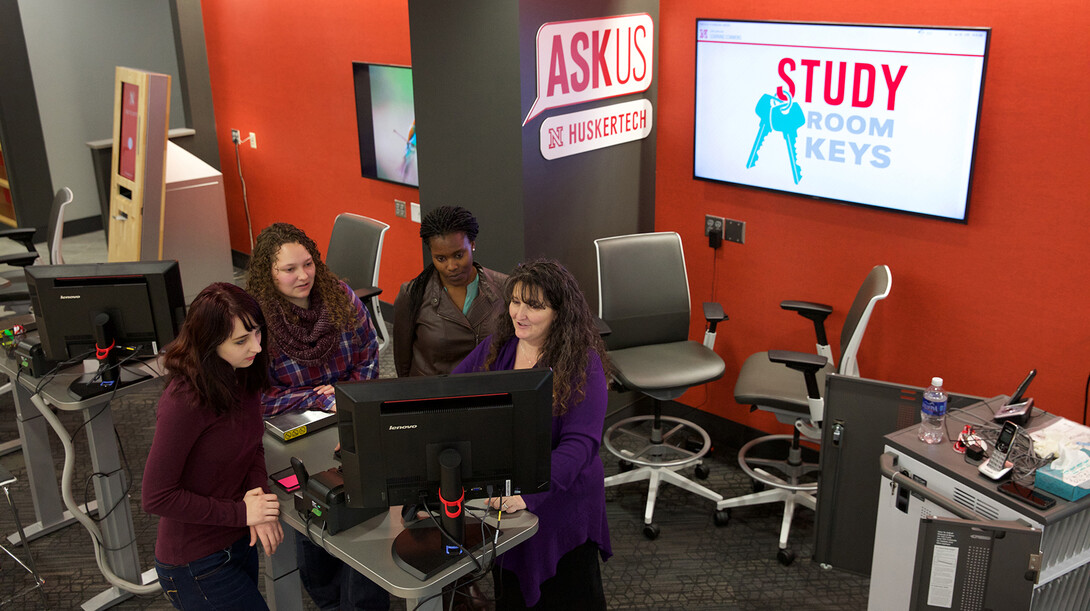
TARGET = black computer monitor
(81,310)
(491,429)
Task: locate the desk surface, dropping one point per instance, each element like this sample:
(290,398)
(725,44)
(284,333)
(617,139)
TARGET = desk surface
(367,546)
(943,456)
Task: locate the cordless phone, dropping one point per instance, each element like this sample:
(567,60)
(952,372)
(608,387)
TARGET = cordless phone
(996,466)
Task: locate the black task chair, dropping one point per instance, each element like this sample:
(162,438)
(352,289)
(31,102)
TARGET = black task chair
(354,255)
(789,384)
(644,299)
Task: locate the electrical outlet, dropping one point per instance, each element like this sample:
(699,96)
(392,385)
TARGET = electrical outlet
(734,231)
(399,208)
(414,211)
(236,136)
(713,224)
(253,140)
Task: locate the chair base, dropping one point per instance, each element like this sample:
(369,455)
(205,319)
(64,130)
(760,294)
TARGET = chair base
(658,461)
(787,490)
(29,565)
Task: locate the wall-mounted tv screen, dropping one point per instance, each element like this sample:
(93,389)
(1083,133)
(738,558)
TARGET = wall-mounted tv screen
(875,115)
(386,122)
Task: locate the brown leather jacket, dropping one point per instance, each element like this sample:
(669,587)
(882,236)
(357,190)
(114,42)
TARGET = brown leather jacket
(440,336)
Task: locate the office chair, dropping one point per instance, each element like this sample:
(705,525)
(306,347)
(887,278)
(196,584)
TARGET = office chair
(354,254)
(644,300)
(13,288)
(789,385)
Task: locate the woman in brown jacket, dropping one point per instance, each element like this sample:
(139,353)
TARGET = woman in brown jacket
(443,313)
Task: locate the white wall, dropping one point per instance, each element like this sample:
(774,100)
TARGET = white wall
(74,46)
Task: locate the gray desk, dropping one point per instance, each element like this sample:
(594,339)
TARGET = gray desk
(117,529)
(365,547)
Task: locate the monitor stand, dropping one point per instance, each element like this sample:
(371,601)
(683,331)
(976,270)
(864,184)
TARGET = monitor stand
(94,384)
(422,549)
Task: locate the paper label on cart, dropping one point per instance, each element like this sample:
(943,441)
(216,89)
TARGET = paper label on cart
(944,565)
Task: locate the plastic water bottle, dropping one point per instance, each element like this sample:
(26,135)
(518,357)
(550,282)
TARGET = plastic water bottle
(933,413)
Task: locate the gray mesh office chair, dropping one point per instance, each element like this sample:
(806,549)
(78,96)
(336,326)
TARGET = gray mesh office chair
(354,255)
(644,299)
(789,385)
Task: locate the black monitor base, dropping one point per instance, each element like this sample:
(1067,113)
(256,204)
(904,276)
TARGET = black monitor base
(420,549)
(92,385)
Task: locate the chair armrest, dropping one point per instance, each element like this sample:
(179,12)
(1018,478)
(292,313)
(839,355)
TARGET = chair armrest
(816,312)
(602,327)
(21,259)
(807,363)
(713,313)
(367,292)
(23,235)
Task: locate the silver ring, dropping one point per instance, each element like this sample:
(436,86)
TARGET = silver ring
(505,505)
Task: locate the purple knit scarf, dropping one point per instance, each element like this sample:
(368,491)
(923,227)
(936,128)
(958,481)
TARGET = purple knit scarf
(308,340)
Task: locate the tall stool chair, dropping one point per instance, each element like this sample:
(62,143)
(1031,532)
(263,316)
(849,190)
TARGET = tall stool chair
(6,480)
(644,300)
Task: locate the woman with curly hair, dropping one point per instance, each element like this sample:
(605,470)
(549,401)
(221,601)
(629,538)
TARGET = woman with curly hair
(205,472)
(320,334)
(548,324)
(447,310)
(319,331)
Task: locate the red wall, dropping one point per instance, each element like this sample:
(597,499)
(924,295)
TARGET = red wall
(994,298)
(284,71)
(1002,294)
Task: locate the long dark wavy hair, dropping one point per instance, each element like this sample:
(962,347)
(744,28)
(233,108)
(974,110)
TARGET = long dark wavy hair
(262,286)
(192,355)
(439,222)
(572,333)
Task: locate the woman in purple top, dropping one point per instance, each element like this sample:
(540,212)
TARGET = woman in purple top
(205,473)
(548,324)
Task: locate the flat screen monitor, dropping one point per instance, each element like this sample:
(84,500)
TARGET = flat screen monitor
(399,437)
(876,115)
(386,122)
(138,306)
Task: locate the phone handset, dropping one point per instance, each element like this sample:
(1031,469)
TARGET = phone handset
(997,466)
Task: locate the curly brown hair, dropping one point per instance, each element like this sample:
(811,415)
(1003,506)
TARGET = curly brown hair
(260,274)
(572,333)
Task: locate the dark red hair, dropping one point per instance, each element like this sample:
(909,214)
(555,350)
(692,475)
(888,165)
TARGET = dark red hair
(192,355)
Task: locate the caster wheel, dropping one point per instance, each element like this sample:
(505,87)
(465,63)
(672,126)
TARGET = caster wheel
(785,557)
(625,466)
(722,517)
(758,486)
(651,531)
(702,472)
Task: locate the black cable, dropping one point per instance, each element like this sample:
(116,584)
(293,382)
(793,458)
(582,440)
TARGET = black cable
(1085,398)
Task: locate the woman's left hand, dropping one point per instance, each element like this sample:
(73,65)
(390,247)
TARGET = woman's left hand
(269,533)
(510,504)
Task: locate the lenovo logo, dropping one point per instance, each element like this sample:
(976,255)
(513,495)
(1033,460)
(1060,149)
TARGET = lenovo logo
(402,427)
(70,296)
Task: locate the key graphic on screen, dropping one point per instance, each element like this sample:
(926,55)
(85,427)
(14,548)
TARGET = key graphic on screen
(764,107)
(787,118)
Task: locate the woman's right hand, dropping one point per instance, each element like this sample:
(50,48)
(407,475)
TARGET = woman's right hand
(261,507)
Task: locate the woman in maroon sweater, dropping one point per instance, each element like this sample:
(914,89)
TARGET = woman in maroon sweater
(205,474)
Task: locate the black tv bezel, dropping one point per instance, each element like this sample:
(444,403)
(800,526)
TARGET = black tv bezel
(964,220)
(365,127)
(365,441)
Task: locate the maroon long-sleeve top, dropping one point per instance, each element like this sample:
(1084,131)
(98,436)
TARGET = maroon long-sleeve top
(199,468)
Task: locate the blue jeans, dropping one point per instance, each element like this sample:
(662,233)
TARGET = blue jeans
(226,579)
(332,584)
